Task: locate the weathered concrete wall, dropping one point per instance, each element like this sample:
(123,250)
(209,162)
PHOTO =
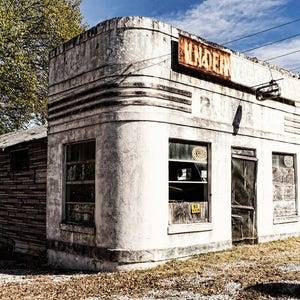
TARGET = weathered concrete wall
(117,84)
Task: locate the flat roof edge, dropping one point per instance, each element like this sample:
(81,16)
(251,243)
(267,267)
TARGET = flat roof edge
(113,24)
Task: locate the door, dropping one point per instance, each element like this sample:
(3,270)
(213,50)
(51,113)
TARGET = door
(243,198)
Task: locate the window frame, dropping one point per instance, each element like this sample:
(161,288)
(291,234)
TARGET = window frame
(15,165)
(174,228)
(292,217)
(65,201)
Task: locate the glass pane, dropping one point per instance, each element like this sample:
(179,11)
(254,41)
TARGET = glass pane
(191,152)
(188,212)
(80,213)
(284,185)
(80,193)
(19,160)
(81,171)
(192,192)
(188,183)
(243,182)
(283,161)
(185,171)
(81,151)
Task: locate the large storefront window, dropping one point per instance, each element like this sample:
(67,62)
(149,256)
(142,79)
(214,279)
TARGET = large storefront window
(80,183)
(284,186)
(188,183)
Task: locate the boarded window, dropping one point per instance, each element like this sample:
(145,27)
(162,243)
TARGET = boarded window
(284,186)
(188,183)
(80,183)
(19,160)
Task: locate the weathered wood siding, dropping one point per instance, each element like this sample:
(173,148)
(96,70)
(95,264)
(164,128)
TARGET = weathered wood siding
(23,200)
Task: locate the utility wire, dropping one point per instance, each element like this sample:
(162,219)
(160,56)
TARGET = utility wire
(271,43)
(286,54)
(259,32)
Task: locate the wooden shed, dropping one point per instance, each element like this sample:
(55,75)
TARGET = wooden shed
(23,170)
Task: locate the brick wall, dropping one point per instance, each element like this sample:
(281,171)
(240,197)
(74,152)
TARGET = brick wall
(23,200)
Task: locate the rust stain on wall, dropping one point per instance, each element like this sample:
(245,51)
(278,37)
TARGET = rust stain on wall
(201,57)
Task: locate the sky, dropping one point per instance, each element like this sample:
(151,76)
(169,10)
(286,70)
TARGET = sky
(219,21)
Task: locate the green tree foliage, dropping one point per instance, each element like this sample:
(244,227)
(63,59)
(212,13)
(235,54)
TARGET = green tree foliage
(29,29)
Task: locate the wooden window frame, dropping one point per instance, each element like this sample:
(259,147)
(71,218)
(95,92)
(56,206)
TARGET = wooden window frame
(289,217)
(88,217)
(194,224)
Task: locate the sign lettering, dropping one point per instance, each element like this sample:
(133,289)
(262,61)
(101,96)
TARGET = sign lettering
(196,55)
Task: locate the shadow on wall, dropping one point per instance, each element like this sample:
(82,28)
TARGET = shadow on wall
(278,289)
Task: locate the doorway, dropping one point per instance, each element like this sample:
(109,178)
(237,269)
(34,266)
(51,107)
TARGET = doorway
(243,195)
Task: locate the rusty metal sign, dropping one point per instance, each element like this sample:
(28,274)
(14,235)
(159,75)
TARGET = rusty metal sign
(196,55)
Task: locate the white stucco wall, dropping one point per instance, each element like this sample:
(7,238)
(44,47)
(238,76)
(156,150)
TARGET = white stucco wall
(116,84)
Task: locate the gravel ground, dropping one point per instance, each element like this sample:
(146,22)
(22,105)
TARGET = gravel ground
(266,271)
(22,276)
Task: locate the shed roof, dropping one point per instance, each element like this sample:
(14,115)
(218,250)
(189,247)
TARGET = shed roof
(21,136)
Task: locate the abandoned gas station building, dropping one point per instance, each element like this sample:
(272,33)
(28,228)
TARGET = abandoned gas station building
(163,145)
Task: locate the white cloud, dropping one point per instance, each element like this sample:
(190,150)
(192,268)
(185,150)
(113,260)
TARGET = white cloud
(221,21)
(286,61)
(224,20)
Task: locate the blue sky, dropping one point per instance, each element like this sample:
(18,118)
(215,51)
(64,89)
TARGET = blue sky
(219,21)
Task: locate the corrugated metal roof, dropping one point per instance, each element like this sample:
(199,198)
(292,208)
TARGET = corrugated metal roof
(21,136)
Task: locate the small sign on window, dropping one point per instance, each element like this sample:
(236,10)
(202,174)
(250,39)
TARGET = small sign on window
(199,153)
(195,208)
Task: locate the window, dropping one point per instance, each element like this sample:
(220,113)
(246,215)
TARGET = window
(19,160)
(284,186)
(80,183)
(188,183)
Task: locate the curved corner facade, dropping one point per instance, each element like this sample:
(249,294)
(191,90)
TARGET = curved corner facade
(158,148)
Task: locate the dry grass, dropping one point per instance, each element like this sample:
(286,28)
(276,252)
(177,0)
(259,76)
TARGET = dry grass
(265,271)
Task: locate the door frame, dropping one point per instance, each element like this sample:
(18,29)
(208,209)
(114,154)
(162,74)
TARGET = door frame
(245,154)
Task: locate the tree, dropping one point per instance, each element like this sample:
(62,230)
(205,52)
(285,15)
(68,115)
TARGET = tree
(29,29)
